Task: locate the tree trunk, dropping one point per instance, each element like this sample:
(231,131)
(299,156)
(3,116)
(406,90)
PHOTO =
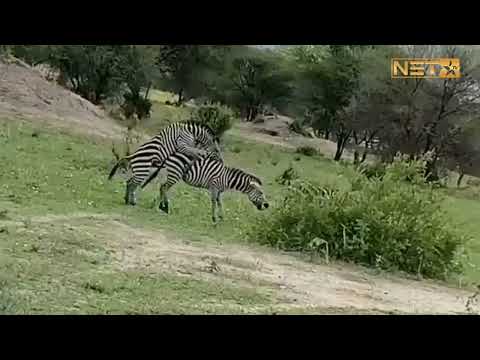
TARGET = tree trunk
(249,114)
(364,156)
(356,157)
(180,97)
(460,178)
(327,134)
(365,151)
(147,92)
(431,171)
(254,113)
(341,142)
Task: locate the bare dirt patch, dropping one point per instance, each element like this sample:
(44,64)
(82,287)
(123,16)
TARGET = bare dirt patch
(298,286)
(261,132)
(25,93)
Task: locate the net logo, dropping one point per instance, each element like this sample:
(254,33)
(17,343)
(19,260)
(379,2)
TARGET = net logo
(426,68)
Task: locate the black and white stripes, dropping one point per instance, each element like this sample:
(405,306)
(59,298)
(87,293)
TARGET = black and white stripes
(187,138)
(209,173)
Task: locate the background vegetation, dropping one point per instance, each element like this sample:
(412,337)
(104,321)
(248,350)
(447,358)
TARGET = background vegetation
(392,208)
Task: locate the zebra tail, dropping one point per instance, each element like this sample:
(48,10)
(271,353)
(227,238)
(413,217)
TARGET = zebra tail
(153,175)
(121,162)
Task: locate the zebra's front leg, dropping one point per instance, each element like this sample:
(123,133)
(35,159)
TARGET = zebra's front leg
(220,206)
(214,196)
(163,206)
(130,196)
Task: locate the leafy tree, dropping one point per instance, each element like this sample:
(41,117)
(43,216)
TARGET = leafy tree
(139,72)
(187,69)
(329,87)
(256,81)
(429,116)
(92,71)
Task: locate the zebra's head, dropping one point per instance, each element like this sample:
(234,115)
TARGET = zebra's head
(256,194)
(206,139)
(213,155)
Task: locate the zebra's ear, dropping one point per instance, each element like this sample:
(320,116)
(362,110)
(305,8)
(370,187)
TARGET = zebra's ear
(256,185)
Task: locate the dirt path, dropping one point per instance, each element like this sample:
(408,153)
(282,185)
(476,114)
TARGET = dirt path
(295,284)
(286,139)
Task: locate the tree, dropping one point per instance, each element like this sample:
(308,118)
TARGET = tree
(329,89)
(256,81)
(92,71)
(464,154)
(418,116)
(139,72)
(188,69)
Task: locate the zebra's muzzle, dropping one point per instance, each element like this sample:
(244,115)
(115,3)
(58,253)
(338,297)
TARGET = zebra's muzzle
(263,206)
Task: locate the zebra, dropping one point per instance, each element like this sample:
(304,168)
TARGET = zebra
(186,137)
(208,172)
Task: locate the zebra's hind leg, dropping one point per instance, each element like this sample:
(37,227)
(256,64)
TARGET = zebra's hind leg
(130,196)
(163,206)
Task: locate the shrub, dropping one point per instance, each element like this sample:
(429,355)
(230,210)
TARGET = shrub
(307,150)
(376,170)
(287,177)
(236,149)
(218,117)
(298,127)
(385,223)
(4,49)
(135,104)
(473,182)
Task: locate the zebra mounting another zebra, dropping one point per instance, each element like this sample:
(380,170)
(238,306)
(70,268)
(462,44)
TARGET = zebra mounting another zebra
(209,173)
(189,138)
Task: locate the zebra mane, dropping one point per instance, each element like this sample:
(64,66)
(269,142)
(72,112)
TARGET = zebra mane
(251,176)
(256,179)
(203,126)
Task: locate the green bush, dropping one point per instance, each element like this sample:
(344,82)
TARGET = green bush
(375,170)
(4,49)
(136,104)
(385,223)
(307,150)
(219,118)
(287,177)
(297,127)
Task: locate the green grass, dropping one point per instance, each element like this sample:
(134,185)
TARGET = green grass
(55,173)
(161,96)
(465,212)
(163,114)
(53,269)
(58,173)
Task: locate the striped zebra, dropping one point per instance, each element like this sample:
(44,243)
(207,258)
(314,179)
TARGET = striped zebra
(187,137)
(209,173)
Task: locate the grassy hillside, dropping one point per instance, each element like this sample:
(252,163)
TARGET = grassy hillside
(60,174)
(50,261)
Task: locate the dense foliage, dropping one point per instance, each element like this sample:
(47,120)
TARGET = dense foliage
(383,222)
(219,118)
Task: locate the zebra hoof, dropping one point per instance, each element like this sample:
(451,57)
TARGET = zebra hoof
(130,201)
(163,207)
